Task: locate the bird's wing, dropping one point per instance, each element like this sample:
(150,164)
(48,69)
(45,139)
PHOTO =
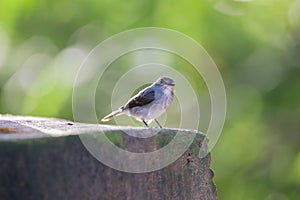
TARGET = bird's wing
(143,98)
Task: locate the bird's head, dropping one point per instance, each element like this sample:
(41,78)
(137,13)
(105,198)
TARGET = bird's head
(166,81)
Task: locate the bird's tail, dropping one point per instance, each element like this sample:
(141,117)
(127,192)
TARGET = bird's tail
(112,115)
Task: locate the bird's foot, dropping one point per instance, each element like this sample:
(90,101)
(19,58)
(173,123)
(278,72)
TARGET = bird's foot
(158,123)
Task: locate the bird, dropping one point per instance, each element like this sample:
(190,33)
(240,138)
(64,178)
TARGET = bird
(149,103)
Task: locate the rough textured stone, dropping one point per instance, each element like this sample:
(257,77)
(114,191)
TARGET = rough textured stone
(43,158)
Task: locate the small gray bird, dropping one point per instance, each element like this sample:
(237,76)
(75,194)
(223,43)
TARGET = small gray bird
(148,104)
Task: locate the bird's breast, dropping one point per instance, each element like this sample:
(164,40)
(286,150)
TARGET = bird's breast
(169,95)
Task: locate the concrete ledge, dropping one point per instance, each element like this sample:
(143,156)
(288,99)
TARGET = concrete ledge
(44,158)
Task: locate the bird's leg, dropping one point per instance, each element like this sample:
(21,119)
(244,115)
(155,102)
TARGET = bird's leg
(157,123)
(145,123)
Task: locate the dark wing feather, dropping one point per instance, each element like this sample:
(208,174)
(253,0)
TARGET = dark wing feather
(141,99)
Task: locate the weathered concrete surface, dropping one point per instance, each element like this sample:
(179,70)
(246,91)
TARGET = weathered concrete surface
(43,158)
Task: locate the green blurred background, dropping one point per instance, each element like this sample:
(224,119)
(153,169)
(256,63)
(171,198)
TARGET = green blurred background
(255,44)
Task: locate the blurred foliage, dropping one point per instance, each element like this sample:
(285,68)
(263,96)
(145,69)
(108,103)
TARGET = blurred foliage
(255,44)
